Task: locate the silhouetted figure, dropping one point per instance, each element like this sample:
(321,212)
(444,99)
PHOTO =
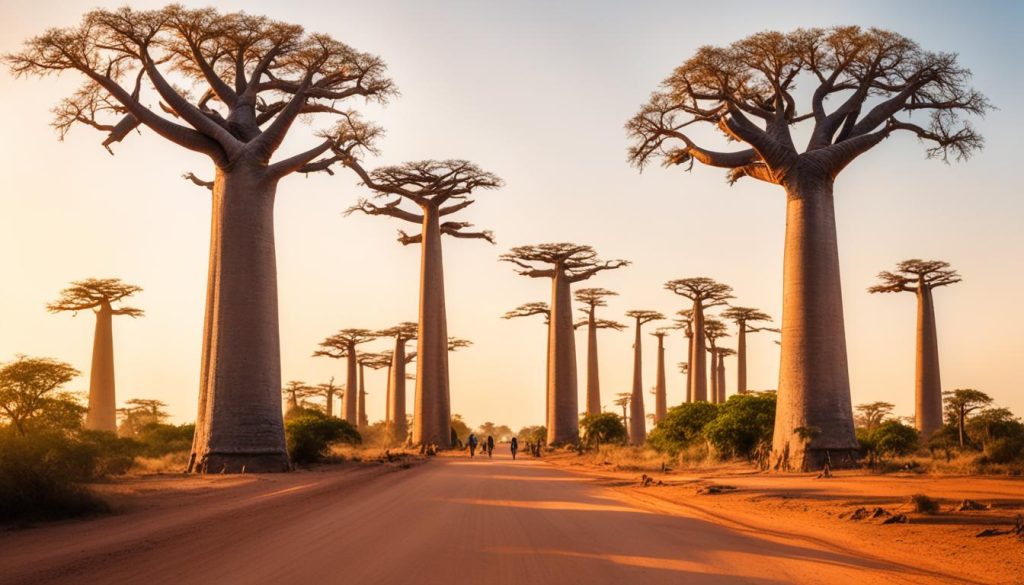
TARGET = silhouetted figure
(471,441)
(490,446)
(514,446)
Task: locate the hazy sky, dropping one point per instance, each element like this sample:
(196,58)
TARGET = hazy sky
(536,92)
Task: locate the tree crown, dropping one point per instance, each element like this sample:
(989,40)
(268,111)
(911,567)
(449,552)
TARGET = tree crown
(455,343)
(96,292)
(341,343)
(403,331)
(594,297)
(575,261)
(911,275)
(643,316)
(702,288)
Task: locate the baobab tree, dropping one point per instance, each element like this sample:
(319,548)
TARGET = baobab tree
(743,317)
(623,400)
(921,277)
(395,413)
(252,77)
(704,292)
(297,391)
(592,298)
(99,295)
(567,264)
(374,361)
(720,387)
(328,391)
(660,398)
(875,81)
(714,329)
(637,413)
(343,345)
(685,323)
(436,189)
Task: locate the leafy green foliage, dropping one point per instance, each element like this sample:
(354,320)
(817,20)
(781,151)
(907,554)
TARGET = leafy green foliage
(310,434)
(889,439)
(682,426)
(533,434)
(603,428)
(744,425)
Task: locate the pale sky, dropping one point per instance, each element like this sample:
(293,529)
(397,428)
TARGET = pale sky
(536,92)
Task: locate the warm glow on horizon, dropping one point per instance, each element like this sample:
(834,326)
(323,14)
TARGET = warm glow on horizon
(537,94)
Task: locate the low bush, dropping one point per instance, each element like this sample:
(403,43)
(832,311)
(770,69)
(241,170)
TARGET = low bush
(743,425)
(604,428)
(924,504)
(682,427)
(310,435)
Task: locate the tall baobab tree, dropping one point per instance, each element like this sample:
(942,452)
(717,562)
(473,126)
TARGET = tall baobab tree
(720,354)
(624,399)
(328,391)
(704,292)
(660,398)
(374,361)
(685,323)
(436,189)
(100,295)
(875,80)
(714,329)
(253,77)
(567,264)
(921,277)
(743,317)
(637,413)
(395,414)
(297,391)
(591,299)
(343,345)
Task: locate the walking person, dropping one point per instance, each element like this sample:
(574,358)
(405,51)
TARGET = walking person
(514,446)
(471,441)
(490,446)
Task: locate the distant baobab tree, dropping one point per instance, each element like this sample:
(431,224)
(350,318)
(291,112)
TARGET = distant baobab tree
(529,310)
(704,292)
(567,264)
(660,398)
(743,317)
(252,77)
(296,391)
(714,329)
(637,413)
(428,186)
(685,323)
(343,345)
(328,391)
(100,295)
(720,387)
(591,299)
(623,400)
(374,361)
(455,343)
(921,277)
(396,399)
(876,80)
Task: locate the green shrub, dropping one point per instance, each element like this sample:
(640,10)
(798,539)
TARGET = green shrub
(159,439)
(1004,450)
(894,438)
(743,426)
(309,436)
(603,428)
(682,426)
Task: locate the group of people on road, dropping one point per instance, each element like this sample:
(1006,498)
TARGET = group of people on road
(487,446)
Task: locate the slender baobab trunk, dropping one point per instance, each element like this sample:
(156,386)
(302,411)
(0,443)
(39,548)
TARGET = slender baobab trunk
(102,414)
(563,424)
(741,358)
(396,412)
(697,370)
(814,384)
(350,399)
(689,356)
(361,405)
(928,388)
(330,403)
(660,400)
(713,390)
(593,377)
(432,424)
(637,415)
(239,424)
(720,374)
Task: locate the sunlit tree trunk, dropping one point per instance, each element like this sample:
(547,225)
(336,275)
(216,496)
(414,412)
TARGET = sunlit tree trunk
(814,385)
(562,423)
(660,400)
(741,358)
(396,414)
(689,356)
(637,414)
(102,415)
(698,374)
(350,399)
(330,404)
(720,373)
(928,387)
(239,425)
(432,419)
(593,376)
(713,390)
(361,405)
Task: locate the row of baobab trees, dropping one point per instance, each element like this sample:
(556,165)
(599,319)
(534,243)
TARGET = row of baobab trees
(252,77)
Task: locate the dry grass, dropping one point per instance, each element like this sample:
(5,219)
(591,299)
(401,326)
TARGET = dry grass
(175,462)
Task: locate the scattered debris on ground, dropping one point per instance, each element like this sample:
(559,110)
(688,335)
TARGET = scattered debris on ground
(967,505)
(647,481)
(710,490)
(896,519)
(924,504)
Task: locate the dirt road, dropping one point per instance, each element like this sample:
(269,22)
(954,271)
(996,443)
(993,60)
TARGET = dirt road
(451,521)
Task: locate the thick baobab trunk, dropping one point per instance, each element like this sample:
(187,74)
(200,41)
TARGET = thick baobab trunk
(713,389)
(637,414)
(697,372)
(814,383)
(720,374)
(928,388)
(396,402)
(350,399)
(361,405)
(102,414)
(660,400)
(593,377)
(239,425)
(562,423)
(432,417)
(741,358)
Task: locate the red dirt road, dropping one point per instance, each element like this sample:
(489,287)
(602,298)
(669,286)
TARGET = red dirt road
(450,521)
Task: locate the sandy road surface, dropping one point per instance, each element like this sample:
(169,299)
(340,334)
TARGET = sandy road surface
(451,521)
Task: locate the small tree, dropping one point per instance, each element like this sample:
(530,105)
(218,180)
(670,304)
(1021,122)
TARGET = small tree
(328,390)
(743,426)
(602,429)
(623,400)
(31,397)
(296,392)
(704,292)
(870,415)
(99,295)
(960,403)
(343,345)
(637,415)
(682,426)
(921,277)
(565,264)
(592,298)
(139,413)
